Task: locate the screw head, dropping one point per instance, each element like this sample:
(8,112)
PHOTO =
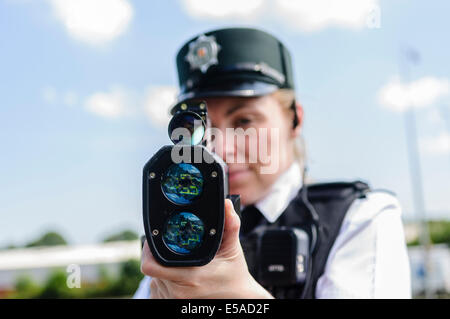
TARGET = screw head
(152,175)
(212,232)
(155,232)
(214,174)
(183,107)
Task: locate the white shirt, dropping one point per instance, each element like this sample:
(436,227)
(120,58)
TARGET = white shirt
(368,258)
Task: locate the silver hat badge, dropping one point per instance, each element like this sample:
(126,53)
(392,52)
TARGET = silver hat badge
(203,53)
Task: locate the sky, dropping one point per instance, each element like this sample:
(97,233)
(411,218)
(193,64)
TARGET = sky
(85,86)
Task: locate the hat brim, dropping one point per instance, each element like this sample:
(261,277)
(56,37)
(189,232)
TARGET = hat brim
(231,89)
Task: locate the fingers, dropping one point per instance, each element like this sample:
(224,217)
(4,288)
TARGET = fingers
(158,289)
(150,267)
(230,247)
(232,220)
(230,240)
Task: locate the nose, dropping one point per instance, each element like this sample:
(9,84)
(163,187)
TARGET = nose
(229,147)
(224,144)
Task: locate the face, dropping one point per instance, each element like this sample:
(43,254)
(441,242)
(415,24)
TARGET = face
(262,147)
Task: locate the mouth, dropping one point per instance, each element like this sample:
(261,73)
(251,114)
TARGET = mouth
(235,175)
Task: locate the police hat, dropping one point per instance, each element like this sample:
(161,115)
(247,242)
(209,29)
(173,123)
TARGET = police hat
(233,62)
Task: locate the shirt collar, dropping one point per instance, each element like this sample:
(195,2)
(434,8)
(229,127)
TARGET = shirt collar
(281,194)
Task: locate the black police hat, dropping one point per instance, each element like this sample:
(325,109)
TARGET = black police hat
(233,62)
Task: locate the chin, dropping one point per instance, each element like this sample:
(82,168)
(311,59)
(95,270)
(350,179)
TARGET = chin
(248,196)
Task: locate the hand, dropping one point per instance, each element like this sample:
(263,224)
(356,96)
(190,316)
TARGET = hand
(226,276)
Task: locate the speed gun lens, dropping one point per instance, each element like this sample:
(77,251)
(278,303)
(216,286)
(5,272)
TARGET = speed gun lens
(183,233)
(187,128)
(182,183)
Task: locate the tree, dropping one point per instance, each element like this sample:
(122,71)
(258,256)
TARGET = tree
(9,246)
(440,232)
(129,279)
(56,287)
(123,235)
(26,288)
(48,239)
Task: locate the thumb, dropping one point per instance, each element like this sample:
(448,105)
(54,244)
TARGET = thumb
(230,245)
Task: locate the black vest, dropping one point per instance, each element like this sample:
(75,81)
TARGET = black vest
(331,202)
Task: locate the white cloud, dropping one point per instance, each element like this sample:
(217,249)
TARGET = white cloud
(306,15)
(113,104)
(399,96)
(219,9)
(93,21)
(436,145)
(157,103)
(51,96)
(302,15)
(119,102)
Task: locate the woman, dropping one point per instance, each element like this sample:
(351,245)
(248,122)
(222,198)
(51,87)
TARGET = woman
(368,257)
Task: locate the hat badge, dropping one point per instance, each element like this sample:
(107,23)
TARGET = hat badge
(202,53)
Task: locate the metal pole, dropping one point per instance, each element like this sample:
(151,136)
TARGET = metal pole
(416,178)
(446,116)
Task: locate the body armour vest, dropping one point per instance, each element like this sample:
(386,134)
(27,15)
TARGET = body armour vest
(331,202)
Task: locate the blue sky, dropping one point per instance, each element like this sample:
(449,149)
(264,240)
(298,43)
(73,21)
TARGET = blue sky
(82,103)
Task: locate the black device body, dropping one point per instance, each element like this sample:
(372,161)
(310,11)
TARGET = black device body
(278,256)
(209,207)
(184,191)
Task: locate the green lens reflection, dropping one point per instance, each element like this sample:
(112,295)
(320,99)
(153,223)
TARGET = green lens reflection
(183,232)
(182,183)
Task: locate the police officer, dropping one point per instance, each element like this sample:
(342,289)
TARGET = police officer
(246,77)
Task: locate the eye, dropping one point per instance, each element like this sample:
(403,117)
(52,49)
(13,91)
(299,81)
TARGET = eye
(243,121)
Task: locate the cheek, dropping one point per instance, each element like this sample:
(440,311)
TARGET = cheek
(258,141)
(255,187)
(268,146)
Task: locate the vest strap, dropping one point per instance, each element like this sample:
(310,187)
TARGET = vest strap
(331,202)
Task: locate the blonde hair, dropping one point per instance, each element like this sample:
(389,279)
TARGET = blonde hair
(285,97)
